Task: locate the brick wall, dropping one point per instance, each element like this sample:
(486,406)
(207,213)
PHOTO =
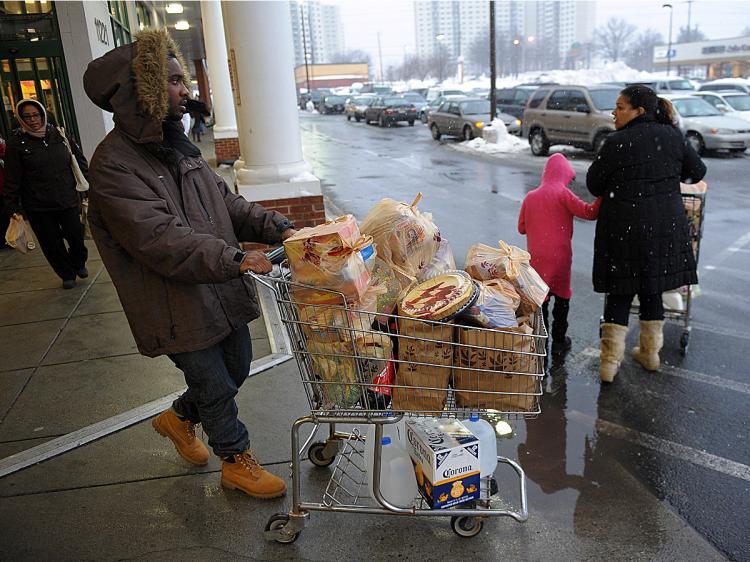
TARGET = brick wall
(227,150)
(302,211)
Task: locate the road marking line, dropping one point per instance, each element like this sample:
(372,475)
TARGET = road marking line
(683,452)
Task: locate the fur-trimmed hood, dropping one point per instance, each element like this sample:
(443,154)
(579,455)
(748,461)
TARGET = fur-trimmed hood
(131,82)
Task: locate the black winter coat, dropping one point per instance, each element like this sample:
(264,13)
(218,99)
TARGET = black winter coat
(38,175)
(642,240)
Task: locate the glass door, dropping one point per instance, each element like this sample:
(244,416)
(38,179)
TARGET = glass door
(37,78)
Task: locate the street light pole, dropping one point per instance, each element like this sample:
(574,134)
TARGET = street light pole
(669,46)
(493,68)
(304,50)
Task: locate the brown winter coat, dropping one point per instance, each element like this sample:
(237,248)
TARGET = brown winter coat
(169,248)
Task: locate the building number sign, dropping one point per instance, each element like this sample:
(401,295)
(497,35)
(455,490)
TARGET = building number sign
(102,31)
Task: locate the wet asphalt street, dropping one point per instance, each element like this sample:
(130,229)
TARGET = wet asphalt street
(683,432)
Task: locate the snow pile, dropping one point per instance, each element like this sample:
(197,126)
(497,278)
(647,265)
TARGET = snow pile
(496,141)
(310,107)
(303,176)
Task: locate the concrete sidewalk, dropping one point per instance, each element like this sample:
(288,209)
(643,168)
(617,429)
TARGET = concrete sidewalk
(68,360)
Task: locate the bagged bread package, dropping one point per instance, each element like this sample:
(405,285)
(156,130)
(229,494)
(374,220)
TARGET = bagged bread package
(442,261)
(423,387)
(333,365)
(508,379)
(328,256)
(496,305)
(513,264)
(406,238)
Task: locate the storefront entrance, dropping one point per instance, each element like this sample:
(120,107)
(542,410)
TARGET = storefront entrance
(32,65)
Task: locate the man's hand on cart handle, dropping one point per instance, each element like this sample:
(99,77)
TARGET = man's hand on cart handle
(257,262)
(288,233)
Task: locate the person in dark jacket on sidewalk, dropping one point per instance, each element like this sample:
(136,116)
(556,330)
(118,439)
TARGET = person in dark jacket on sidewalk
(642,244)
(168,230)
(39,181)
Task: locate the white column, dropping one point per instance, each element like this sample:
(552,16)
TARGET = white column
(218,70)
(272,167)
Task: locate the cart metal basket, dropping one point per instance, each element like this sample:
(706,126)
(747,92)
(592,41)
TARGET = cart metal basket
(358,368)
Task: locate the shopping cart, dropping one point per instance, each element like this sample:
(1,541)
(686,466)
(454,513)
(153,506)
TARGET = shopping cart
(338,348)
(678,304)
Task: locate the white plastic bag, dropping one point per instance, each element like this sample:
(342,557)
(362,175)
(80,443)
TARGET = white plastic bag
(442,262)
(19,234)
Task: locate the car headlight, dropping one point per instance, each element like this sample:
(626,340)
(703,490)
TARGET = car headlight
(517,122)
(723,131)
(479,124)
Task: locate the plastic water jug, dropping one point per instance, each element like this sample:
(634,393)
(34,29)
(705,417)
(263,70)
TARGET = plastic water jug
(484,431)
(398,483)
(397,433)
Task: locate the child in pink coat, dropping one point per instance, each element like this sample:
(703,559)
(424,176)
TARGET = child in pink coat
(546,218)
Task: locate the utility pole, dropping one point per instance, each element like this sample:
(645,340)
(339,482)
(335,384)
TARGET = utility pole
(380,57)
(493,69)
(304,50)
(690,11)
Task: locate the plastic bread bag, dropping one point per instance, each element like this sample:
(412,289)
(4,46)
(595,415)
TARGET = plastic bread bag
(384,281)
(513,264)
(442,262)
(329,256)
(406,238)
(496,305)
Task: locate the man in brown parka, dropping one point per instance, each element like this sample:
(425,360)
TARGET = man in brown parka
(168,229)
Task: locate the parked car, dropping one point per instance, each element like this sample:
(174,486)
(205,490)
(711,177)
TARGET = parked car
(573,115)
(417,100)
(724,84)
(730,103)
(466,118)
(513,100)
(356,106)
(332,104)
(389,110)
(434,104)
(438,91)
(315,96)
(707,128)
(378,89)
(669,85)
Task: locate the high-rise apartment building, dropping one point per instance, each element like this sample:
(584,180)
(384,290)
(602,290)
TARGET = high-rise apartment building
(317,27)
(545,31)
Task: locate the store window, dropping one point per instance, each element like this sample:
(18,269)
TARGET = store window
(118,12)
(144,15)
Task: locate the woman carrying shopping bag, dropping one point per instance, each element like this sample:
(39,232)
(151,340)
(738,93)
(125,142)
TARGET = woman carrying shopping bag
(642,242)
(43,180)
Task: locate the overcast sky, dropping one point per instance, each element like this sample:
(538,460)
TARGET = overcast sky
(394,19)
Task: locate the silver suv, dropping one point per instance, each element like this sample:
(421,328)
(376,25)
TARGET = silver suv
(573,115)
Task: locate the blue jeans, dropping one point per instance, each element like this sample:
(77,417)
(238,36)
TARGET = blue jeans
(214,376)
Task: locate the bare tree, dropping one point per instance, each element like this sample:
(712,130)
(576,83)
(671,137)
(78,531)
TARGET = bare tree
(479,54)
(440,62)
(745,32)
(351,56)
(689,35)
(641,52)
(612,38)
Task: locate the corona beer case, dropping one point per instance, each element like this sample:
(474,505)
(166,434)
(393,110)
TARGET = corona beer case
(445,455)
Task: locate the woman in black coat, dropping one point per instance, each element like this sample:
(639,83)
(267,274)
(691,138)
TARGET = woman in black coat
(642,244)
(39,180)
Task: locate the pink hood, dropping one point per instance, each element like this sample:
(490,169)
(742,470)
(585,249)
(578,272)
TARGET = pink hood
(557,172)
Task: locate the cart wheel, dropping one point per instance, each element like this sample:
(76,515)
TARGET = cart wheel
(684,342)
(277,522)
(466,526)
(317,456)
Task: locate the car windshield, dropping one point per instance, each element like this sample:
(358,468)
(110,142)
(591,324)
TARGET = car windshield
(452,92)
(478,107)
(414,97)
(361,101)
(335,99)
(694,107)
(604,99)
(680,85)
(739,103)
(390,102)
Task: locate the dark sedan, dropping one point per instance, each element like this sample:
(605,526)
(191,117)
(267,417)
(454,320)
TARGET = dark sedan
(388,110)
(332,104)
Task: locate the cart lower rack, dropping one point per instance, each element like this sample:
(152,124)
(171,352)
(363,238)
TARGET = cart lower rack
(359,368)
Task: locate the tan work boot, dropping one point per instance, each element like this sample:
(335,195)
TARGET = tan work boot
(612,350)
(182,434)
(247,475)
(651,340)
